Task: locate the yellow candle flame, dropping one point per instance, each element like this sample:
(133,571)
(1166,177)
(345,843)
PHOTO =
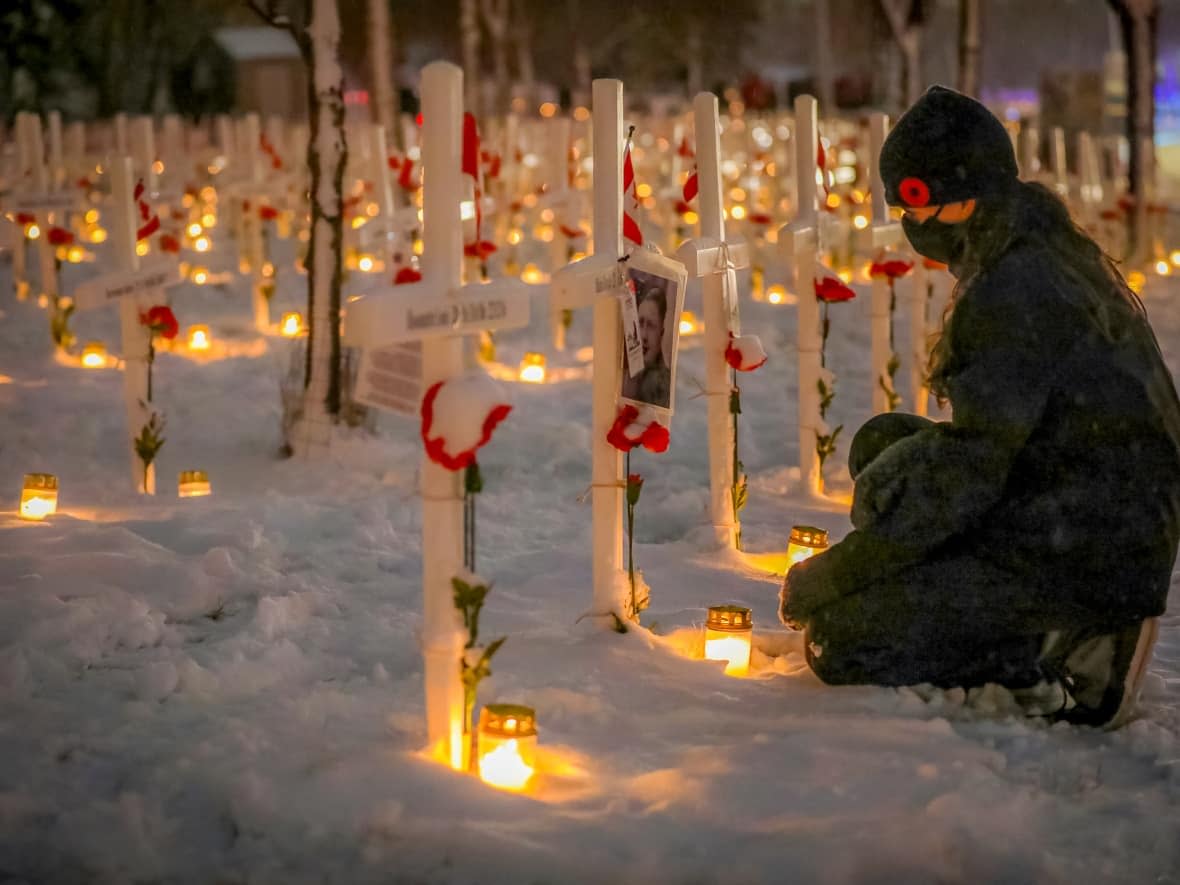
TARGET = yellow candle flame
(504,767)
(37,507)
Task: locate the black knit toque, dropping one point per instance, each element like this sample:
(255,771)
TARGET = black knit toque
(945,149)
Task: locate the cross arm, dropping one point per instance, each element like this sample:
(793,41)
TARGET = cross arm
(706,255)
(582,283)
(885,235)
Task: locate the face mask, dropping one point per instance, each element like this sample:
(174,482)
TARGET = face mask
(936,239)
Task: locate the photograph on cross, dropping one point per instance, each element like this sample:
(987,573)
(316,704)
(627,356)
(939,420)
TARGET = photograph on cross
(652,339)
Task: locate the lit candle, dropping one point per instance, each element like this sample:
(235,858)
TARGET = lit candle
(532,368)
(776,294)
(728,630)
(38,498)
(292,325)
(94,355)
(532,274)
(193,484)
(689,324)
(806,541)
(198,338)
(507,745)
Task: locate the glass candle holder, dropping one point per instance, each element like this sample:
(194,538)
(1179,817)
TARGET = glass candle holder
(193,484)
(198,337)
(507,745)
(728,630)
(38,497)
(291,325)
(94,355)
(805,542)
(532,368)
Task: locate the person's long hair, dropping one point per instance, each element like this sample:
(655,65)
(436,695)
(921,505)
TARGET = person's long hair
(1030,213)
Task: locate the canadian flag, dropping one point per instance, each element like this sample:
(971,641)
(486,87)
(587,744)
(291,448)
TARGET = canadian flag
(631,229)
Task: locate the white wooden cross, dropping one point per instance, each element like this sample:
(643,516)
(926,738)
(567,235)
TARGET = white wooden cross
(1057,162)
(596,280)
(565,204)
(716,259)
(438,311)
(134,287)
(800,242)
(43,201)
(885,234)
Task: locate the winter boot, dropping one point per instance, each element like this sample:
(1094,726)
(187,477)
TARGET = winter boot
(1101,675)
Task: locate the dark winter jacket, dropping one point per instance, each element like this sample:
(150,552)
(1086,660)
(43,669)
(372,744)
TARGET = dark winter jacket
(1061,463)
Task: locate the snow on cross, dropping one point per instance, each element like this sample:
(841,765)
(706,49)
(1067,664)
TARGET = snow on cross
(438,310)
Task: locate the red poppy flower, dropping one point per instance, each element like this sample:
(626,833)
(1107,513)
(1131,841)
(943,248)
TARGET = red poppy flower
(268,213)
(891,268)
(161,321)
(685,149)
(832,290)
(169,243)
(451,404)
(914,191)
(407,275)
(480,249)
(1126,202)
(25,218)
(571,233)
(626,433)
(759,218)
(84,183)
(59,236)
(394,163)
(682,207)
(1111,214)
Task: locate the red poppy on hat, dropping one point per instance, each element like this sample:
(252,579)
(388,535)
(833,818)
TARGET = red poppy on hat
(914,191)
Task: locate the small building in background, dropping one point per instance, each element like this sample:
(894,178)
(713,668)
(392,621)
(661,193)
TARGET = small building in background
(269,76)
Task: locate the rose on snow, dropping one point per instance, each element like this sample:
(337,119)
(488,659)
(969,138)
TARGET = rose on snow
(459,416)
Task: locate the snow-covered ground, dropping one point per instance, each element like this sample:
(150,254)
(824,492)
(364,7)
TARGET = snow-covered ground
(228,689)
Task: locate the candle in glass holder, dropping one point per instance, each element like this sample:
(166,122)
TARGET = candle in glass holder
(94,355)
(805,542)
(532,368)
(507,745)
(198,338)
(728,631)
(291,325)
(193,484)
(38,497)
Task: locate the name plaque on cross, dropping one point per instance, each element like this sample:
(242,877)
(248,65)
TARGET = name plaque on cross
(112,287)
(415,315)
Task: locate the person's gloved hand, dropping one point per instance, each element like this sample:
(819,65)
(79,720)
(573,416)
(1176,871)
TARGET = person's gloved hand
(805,589)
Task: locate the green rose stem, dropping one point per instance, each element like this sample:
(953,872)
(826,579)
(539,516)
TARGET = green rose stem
(472,486)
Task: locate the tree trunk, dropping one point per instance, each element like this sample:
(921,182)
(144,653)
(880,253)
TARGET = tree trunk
(327,154)
(694,73)
(969,31)
(381,60)
(495,19)
(523,40)
(825,87)
(906,21)
(1138,21)
(469,33)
